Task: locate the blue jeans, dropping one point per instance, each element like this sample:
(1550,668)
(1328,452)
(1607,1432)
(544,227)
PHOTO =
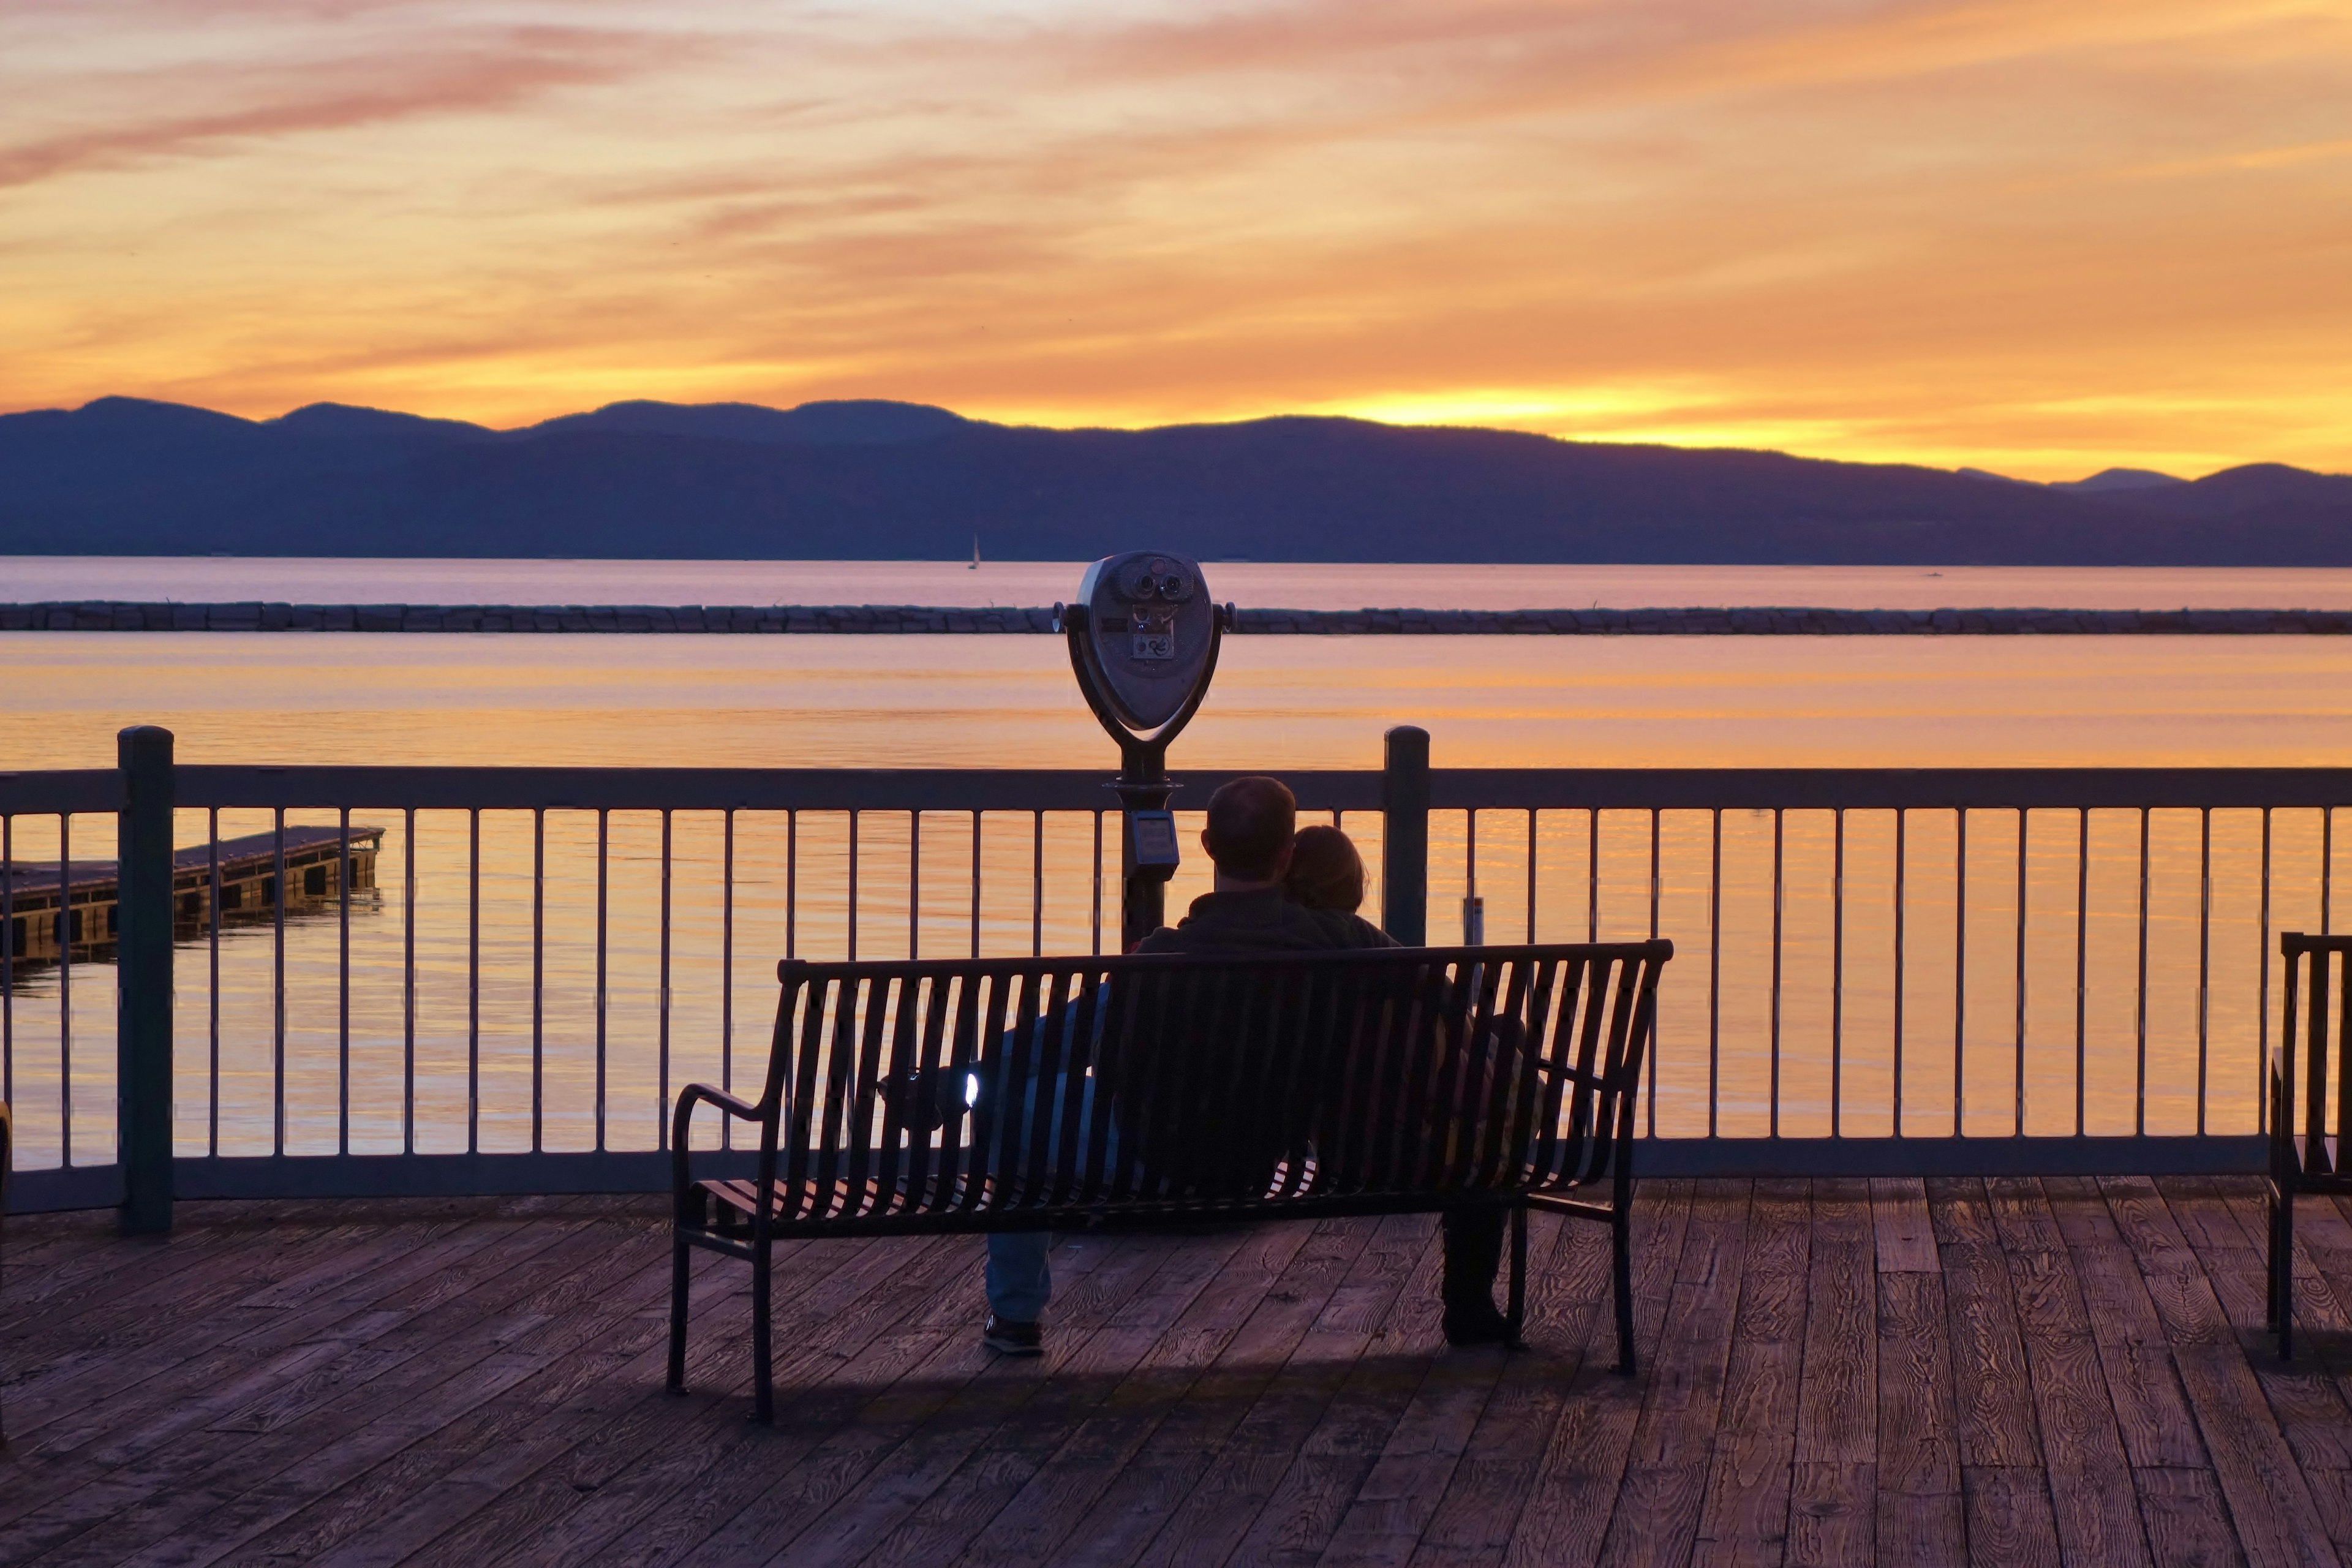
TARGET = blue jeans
(1018,1278)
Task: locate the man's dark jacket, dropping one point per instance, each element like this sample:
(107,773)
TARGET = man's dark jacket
(1211,1098)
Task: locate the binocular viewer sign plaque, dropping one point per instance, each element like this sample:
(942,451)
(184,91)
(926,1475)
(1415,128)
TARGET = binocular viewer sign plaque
(1147,633)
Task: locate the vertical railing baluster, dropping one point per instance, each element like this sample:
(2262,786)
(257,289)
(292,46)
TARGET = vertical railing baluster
(343,983)
(473,980)
(407,979)
(853,888)
(2262,1002)
(1592,874)
(1657,886)
(1470,876)
(2326,869)
(792,882)
(661,1093)
(277,987)
(2139,1099)
(538,978)
(65,988)
(1715,974)
(975,884)
(604,957)
(1531,875)
(727,973)
(1837,973)
(915,878)
(1098,885)
(1902,848)
(2082,968)
(1960,972)
(2204,952)
(7,960)
(1037,887)
(2018,1083)
(1777,860)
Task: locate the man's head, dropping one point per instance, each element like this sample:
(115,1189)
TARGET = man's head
(1250,826)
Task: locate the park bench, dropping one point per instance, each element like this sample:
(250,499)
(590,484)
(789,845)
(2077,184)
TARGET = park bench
(1066,1094)
(2305,1157)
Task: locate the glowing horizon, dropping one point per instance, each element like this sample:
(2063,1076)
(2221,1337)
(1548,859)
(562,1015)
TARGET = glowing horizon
(2040,239)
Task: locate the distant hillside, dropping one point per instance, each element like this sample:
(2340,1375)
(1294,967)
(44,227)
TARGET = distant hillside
(891,481)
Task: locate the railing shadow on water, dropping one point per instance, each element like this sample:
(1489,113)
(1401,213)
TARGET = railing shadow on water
(502,975)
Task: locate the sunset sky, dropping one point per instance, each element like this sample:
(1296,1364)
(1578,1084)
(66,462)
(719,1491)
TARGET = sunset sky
(2036,235)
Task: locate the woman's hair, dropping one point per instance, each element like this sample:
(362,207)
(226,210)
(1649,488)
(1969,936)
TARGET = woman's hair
(1326,872)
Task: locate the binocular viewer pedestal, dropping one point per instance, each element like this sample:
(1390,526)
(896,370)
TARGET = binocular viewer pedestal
(1143,639)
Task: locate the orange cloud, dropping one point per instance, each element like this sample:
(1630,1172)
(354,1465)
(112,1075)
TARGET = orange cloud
(2037,234)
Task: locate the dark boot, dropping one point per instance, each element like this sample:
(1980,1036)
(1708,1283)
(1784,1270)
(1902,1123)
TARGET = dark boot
(1474,1254)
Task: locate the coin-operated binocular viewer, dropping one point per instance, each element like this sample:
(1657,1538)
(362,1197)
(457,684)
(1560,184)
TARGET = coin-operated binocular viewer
(1143,643)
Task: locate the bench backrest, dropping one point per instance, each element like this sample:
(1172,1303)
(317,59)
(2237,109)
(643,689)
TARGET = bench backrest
(1209,1082)
(2318,1011)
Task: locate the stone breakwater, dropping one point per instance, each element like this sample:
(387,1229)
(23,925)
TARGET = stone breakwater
(902,620)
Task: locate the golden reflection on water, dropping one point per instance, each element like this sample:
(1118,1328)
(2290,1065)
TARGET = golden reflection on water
(1279,702)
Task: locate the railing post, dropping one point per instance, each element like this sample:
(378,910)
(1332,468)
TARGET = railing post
(1405,836)
(142,918)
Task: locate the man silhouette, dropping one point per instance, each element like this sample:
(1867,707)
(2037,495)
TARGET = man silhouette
(1252,821)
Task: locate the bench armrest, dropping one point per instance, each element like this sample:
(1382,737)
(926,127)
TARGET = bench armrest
(682,1121)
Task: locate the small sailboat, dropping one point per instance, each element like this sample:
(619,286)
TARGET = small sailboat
(975,552)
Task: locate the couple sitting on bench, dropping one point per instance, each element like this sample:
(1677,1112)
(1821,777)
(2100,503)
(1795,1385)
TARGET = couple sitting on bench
(1278,891)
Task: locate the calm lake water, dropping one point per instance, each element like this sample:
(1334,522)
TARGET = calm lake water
(1286,702)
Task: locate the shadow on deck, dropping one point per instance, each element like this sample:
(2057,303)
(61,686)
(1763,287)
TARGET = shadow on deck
(2015,1371)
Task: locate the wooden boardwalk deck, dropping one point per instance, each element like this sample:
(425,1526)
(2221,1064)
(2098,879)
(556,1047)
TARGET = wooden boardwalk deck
(2007,1372)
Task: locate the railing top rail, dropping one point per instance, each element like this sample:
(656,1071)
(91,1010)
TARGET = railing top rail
(61,790)
(801,969)
(720,789)
(1884,789)
(1086,789)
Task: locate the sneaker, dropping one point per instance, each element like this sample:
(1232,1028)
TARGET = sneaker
(1011,1338)
(1477,1323)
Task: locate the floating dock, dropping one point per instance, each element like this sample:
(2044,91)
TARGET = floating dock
(52,909)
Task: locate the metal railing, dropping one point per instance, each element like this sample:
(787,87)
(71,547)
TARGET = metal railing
(1883,970)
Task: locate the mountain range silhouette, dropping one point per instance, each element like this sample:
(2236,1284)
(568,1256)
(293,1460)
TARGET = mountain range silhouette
(881,481)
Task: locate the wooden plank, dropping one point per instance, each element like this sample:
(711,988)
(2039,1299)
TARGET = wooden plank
(2276,1519)
(421,1374)
(1918,1450)
(686,1468)
(1566,1516)
(2090,1486)
(1991,1392)
(1262,1466)
(2008,1517)
(946,1524)
(2151,1409)
(1474,1519)
(1053,1504)
(1664,1481)
(1837,1400)
(1165,1475)
(873,1517)
(1833,1515)
(2188,1524)
(1906,1234)
(1744,1515)
(404,1502)
(1388,1440)
(233,1353)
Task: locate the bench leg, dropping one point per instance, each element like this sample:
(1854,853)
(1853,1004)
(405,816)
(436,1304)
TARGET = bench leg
(763,1390)
(1620,1261)
(1516,1314)
(678,1302)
